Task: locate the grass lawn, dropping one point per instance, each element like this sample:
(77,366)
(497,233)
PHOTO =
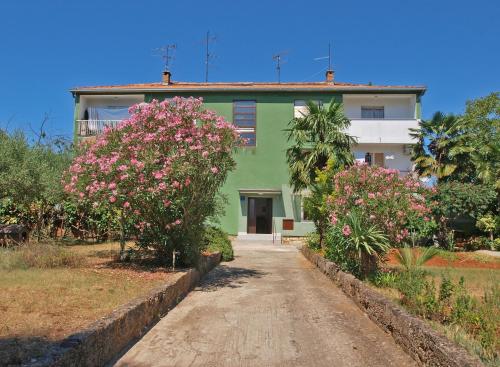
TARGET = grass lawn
(39,306)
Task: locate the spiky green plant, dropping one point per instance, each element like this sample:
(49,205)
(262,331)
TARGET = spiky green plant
(411,261)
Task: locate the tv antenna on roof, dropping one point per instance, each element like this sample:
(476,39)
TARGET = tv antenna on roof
(329,57)
(208,54)
(167,54)
(279,61)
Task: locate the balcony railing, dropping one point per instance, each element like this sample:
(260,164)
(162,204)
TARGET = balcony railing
(389,131)
(86,128)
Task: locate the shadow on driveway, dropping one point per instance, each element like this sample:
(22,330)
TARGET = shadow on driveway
(227,276)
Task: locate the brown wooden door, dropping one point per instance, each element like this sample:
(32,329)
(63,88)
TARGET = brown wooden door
(379,159)
(260,215)
(251,218)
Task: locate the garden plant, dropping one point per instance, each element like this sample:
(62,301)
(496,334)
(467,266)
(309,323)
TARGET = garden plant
(160,170)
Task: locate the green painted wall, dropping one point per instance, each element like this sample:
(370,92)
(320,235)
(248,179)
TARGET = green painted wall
(263,166)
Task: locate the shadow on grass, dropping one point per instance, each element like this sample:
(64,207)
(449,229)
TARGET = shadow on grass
(24,350)
(225,276)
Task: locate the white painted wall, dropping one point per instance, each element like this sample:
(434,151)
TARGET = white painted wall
(104,101)
(394,155)
(383,131)
(395,106)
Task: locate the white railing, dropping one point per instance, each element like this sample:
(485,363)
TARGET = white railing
(86,128)
(389,131)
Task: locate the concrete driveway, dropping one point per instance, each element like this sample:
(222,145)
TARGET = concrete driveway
(268,307)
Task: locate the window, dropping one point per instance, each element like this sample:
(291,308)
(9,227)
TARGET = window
(244,118)
(300,107)
(372,159)
(372,112)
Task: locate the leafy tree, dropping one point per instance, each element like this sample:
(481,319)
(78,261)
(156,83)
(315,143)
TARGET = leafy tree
(437,150)
(30,177)
(481,137)
(318,136)
(462,148)
(161,170)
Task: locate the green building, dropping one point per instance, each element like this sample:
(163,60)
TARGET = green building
(261,203)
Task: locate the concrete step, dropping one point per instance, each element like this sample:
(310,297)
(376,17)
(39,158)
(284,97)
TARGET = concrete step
(259,237)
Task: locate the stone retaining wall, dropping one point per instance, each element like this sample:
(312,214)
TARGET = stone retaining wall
(105,338)
(419,340)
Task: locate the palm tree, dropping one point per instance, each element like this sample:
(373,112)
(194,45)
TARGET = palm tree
(438,152)
(318,136)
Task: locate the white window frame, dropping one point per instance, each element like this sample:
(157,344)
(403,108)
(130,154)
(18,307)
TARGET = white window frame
(373,110)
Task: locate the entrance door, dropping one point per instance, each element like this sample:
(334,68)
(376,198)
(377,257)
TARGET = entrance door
(260,215)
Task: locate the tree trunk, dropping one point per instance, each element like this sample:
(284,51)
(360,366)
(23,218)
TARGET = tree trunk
(122,237)
(369,264)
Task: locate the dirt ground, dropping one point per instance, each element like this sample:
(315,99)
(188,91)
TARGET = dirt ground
(39,307)
(470,260)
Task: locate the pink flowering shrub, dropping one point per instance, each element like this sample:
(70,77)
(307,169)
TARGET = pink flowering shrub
(380,197)
(160,170)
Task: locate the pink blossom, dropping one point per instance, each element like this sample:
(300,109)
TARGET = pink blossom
(333,219)
(346,230)
(126,204)
(214,170)
(112,199)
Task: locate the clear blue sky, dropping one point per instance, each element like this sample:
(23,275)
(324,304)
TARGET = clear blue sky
(47,47)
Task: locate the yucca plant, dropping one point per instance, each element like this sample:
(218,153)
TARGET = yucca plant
(367,241)
(412,261)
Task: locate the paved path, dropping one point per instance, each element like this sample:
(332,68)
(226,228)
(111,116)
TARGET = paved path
(269,307)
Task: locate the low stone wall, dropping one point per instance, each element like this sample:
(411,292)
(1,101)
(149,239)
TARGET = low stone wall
(105,338)
(419,340)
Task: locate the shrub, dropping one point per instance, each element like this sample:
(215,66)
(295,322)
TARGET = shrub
(477,243)
(161,170)
(313,241)
(458,205)
(356,246)
(396,205)
(385,279)
(216,240)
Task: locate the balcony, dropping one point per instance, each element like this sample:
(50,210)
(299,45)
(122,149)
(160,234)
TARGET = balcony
(388,131)
(88,128)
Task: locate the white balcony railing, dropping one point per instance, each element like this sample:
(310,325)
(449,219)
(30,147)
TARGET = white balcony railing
(87,128)
(387,131)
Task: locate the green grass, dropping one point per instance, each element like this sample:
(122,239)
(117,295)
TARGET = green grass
(476,280)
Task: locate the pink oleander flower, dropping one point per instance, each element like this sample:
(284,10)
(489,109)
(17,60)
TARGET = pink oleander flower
(112,199)
(346,230)
(214,170)
(333,219)
(126,204)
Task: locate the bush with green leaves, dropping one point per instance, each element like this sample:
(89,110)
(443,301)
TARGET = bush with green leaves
(489,223)
(355,246)
(30,181)
(162,170)
(398,206)
(216,240)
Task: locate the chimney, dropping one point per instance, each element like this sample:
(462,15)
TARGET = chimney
(166,77)
(329,76)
